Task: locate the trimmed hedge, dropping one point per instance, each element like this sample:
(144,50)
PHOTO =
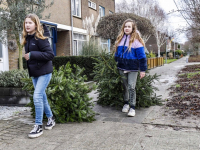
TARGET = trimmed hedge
(12,78)
(82,61)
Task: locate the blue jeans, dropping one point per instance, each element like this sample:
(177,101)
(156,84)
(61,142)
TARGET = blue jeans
(129,81)
(40,98)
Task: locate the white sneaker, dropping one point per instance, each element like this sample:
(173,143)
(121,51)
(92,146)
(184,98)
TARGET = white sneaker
(36,132)
(125,108)
(50,124)
(131,112)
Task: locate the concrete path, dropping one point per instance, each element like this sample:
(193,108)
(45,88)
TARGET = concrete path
(112,130)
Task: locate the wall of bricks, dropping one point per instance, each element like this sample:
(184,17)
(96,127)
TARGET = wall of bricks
(60,12)
(13,58)
(63,45)
(86,11)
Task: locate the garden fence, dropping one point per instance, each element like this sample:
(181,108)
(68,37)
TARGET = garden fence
(155,62)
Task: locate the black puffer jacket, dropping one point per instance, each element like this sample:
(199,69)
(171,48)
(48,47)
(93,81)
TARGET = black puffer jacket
(41,55)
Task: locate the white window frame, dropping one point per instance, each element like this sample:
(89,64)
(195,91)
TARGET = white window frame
(110,12)
(90,3)
(75,13)
(100,11)
(1,51)
(106,43)
(75,51)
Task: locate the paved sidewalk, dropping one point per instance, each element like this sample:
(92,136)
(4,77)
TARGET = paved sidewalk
(112,130)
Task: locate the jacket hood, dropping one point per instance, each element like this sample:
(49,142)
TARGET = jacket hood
(46,31)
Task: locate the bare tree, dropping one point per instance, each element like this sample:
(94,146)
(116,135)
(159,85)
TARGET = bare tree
(158,19)
(188,47)
(194,40)
(190,11)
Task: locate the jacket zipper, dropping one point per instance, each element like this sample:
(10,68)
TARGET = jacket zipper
(123,46)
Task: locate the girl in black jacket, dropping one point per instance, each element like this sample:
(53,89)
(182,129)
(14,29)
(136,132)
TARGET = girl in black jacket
(39,55)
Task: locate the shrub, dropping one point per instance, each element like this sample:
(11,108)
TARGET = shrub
(67,95)
(110,87)
(12,78)
(170,55)
(110,25)
(151,55)
(179,52)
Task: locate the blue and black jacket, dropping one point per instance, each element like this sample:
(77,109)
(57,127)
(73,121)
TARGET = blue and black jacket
(133,60)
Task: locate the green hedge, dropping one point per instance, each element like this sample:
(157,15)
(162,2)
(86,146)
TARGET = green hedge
(82,61)
(12,78)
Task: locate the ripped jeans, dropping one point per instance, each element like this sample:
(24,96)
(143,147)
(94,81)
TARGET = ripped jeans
(129,83)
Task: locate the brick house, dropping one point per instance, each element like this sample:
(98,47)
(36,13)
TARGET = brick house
(66,28)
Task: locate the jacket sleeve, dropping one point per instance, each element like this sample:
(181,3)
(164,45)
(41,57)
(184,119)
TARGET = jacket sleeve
(141,56)
(45,52)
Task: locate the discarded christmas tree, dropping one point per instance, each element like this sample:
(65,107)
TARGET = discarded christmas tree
(110,87)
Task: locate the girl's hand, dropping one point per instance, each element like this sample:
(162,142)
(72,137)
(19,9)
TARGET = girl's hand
(26,56)
(142,74)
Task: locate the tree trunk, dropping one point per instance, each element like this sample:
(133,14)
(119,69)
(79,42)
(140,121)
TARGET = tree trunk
(158,50)
(20,57)
(20,51)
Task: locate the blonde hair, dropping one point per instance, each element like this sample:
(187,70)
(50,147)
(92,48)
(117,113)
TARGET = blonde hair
(39,29)
(133,36)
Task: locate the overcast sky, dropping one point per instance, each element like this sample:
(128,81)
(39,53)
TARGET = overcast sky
(175,20)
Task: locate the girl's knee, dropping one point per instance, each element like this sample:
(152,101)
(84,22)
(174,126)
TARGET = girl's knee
(131,87)
(37,97)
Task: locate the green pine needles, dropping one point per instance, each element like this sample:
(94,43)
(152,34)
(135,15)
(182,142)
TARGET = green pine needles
(67,95)
(110,87)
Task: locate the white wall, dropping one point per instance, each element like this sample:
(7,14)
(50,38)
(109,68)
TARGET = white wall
(4,61)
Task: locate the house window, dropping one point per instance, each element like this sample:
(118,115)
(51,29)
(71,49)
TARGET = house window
(76,6)
(79,40)
(92,5)
(110,12)
(101,11)
(104,44)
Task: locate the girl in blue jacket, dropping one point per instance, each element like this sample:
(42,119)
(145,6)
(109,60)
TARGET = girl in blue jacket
(39,55)
(130,57)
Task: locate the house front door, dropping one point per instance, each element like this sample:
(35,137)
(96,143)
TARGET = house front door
(4,66)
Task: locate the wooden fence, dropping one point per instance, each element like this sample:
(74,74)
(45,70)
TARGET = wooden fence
(155,62)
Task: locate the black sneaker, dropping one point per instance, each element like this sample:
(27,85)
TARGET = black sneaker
(36,132)
(50,124)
